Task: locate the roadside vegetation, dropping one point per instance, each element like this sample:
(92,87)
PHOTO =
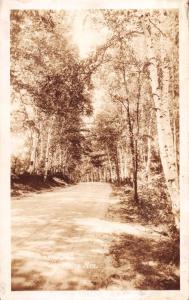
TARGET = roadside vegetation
(131,141)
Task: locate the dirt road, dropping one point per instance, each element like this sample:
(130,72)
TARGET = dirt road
(58,242)
(67,239)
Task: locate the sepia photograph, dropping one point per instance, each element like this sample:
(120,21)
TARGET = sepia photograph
(95,149)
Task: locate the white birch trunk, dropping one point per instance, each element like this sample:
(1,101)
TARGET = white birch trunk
(126,173)
(100,174)
(35,139)
(149,142)
(110,165)
(121,162)
(60,161)
(49,136)
(41,150)
(165,136)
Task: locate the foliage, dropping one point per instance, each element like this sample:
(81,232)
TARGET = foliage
(128,141)
(47,85)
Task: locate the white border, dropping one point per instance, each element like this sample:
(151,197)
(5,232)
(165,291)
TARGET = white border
(5,278)
(87,4)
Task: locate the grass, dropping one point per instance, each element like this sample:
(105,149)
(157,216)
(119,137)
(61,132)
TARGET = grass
(140,263)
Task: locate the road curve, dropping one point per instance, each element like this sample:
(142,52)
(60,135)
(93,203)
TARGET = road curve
(53,246)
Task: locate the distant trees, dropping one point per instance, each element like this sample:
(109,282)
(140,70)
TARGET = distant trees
(140,77)
(124,76)
(108,132)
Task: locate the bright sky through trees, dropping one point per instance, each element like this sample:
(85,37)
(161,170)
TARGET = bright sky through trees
(86,37)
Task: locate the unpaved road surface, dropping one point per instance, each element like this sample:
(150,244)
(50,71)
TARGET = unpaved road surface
(58,241)
(67,239)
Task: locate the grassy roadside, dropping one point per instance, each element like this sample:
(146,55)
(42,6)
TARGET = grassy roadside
(138,262)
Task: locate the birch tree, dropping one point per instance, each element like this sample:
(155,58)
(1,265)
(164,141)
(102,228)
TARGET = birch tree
(160,86)
(47,77)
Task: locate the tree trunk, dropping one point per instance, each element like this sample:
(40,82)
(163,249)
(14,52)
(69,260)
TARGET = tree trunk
(121,162)
(49,136)
(175,146)
(100,174)
(134,153)
(136,172)
(167,150)
(33,157)
(60,161)
(41,150)
(110,165)
(117,167)
(126,171)
(149,142)
(134,156)
(165,136)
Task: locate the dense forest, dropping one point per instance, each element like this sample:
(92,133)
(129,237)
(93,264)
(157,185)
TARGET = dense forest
(132,140)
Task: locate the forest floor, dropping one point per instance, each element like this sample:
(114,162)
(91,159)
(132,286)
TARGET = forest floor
(26,183)
(88,237)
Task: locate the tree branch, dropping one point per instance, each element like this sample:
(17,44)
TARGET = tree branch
(157,28)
